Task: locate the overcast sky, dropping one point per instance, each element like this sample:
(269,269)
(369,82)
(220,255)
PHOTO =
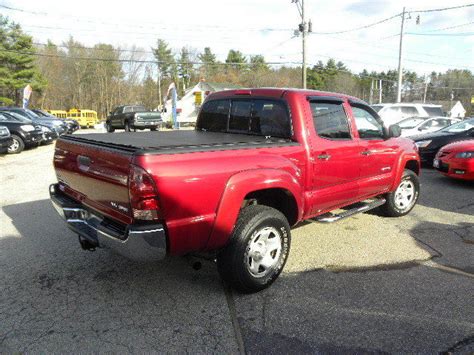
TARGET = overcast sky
(263,27)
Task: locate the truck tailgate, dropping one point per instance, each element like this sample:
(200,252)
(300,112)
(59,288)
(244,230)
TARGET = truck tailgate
(96,177)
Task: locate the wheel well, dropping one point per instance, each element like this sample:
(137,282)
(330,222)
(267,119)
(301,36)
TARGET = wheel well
(279,199)
(413,166)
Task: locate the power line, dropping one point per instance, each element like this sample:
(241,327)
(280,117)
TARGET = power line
(135,60)
(358,28)
(451,27)
(152,25)
(465,34)
(441,9)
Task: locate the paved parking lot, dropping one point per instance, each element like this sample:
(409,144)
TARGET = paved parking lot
(366,284)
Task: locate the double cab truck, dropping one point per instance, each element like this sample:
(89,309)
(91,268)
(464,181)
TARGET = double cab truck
(259,162)
(133,117)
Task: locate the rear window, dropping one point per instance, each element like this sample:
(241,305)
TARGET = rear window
(433,111)
(214,116)
(249,116)
(409,111)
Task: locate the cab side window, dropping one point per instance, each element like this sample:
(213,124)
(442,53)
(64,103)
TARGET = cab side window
(330,120)
(368,124)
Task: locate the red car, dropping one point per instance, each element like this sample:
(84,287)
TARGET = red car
(456,160)
(258,162)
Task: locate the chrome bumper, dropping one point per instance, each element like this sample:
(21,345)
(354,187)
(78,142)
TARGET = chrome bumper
(147,124)
(136,242)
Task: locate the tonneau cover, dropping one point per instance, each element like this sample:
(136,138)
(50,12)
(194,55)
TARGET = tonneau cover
(175,141)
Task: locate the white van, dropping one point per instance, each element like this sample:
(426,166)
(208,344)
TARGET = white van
(394,113)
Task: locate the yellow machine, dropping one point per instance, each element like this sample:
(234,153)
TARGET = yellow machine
(85,118)
(58,113)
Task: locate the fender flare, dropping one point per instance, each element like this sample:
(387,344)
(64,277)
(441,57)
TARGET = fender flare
(401,167)
(240,185)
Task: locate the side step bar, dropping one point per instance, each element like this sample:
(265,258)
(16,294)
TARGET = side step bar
(360,208)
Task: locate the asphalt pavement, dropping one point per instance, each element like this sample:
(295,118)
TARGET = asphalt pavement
(366,284)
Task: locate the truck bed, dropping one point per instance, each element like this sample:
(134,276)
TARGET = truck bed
(172,142)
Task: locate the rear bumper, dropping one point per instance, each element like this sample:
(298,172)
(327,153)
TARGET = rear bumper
(136,242)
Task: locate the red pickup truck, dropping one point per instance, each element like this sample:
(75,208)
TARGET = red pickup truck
(258,162)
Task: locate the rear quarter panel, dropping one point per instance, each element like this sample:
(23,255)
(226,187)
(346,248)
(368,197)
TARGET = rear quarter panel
(191,186)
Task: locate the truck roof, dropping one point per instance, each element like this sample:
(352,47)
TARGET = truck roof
(278,92)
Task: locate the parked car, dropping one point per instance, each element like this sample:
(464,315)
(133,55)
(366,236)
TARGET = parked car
(23,134)
(49,135)
(55,124)
(133,117)
(258,162)
(456,160)
(430,143)
(394,113)
(417,125)
(5,139)
(72,125)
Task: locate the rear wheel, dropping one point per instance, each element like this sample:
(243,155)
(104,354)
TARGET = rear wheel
(404,198)
(109,128)
(257,250)
(17,145)
(153,129)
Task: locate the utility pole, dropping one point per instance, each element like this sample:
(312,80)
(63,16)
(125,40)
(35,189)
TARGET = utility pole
(159,86)
(304,43)
(400,52)
(426,91)
(380,91)
(304,27)
(371,92)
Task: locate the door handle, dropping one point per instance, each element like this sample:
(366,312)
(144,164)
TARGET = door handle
(366,152)
(324,156)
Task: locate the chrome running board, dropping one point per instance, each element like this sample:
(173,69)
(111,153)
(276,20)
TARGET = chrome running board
(361,208)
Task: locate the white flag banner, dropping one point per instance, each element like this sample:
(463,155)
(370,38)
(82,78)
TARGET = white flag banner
(26,95)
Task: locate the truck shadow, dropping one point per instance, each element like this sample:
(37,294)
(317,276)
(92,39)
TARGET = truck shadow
(41,230)
(311,310)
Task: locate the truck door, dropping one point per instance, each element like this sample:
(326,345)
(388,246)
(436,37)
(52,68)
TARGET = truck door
(379,154)
(117,117)
(334,156)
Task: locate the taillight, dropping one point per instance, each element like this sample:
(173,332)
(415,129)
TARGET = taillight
(143,195)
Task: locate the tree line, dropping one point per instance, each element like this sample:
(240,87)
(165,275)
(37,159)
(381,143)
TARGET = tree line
(72,75)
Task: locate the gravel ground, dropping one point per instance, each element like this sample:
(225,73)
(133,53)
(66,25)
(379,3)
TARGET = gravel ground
(361,285)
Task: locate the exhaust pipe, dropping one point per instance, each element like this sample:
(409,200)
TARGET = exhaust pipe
(87,244)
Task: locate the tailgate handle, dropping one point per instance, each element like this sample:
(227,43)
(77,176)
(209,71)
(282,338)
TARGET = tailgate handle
(83,160)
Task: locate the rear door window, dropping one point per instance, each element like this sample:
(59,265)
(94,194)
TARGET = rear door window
(270,118)
(330,120)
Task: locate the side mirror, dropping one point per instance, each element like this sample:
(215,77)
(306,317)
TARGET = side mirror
(394,131)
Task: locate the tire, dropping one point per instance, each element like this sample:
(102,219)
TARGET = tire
(109,127)
(17,146)
(153,129)
(259,230)
(127,126)
(400,202)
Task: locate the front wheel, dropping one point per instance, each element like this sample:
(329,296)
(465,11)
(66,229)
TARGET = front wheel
(404,198)
(257,250)
(17,145)
(109,128)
